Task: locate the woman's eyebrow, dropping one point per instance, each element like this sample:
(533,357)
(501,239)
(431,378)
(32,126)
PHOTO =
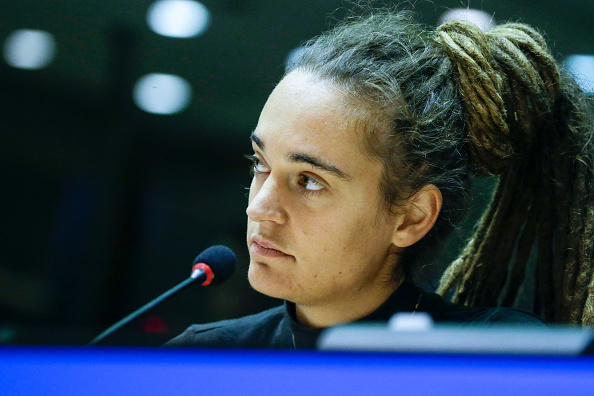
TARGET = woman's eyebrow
(257,140)
(319,164)
(305,158)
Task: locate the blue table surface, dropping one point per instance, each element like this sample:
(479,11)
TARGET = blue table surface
(161,371)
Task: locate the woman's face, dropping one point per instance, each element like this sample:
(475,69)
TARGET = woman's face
(318,232)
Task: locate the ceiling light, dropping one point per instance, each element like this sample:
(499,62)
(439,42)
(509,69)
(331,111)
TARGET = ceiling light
(582,69)
(29,49)
(159,93)
(482,19)
(178,18)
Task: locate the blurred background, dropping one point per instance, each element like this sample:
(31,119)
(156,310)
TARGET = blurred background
(123,130)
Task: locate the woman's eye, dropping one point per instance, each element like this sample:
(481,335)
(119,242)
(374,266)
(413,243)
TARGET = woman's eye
(257,165)
(311,184)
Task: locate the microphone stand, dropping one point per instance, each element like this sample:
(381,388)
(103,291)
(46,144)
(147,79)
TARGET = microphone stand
(197,275)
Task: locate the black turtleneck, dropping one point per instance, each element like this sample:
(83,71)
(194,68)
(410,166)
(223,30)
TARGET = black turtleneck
(278,327)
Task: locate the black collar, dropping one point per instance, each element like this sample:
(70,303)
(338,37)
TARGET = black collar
(405,299)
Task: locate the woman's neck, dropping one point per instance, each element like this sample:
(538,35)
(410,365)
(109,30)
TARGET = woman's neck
(345,310)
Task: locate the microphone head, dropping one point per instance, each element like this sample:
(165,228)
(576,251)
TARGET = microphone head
(221,261)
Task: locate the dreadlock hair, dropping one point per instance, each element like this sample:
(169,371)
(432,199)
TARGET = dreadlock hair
(443,106)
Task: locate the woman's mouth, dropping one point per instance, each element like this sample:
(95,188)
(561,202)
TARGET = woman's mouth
(266,249)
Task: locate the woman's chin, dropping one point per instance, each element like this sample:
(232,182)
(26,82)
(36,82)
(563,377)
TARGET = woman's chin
(263,279)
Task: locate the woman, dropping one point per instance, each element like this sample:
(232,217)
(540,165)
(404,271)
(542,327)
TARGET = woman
(362,166)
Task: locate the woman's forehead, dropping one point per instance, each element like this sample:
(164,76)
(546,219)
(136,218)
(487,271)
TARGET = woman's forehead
(308,122)
(311,108)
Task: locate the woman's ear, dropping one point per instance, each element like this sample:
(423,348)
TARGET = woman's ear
(419,217)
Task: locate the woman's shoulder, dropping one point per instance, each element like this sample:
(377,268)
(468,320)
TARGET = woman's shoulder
(267,329)
(445,311)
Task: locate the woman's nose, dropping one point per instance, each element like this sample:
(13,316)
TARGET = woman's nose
(265,202)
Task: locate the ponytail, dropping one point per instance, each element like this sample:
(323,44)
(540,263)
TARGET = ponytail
(531,126)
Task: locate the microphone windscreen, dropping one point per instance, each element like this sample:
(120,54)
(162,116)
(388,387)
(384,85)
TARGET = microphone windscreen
(221,261)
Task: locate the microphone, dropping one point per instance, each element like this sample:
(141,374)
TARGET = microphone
(213,266)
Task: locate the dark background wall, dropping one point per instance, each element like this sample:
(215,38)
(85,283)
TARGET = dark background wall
(104,206)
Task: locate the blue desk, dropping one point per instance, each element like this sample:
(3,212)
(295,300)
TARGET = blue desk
(99,371)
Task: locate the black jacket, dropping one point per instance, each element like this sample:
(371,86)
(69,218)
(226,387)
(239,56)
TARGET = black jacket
(277,327)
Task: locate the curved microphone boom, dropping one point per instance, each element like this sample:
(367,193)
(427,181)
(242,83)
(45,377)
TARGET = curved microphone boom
(213,266)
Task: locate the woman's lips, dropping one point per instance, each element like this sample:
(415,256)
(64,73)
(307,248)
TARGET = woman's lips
(266,249)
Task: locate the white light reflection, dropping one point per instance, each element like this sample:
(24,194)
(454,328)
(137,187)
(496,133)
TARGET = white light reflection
(482,19)
(162,93)
(29,49)
(178,18)
(293,56)
(582,69)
